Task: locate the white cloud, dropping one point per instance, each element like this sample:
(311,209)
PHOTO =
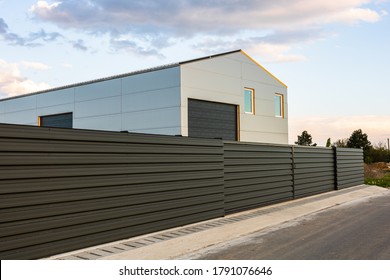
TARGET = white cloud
(12,82)
(34,39)
(34,65)
(355,15)
(44,9)
(377,127)
(157,24)
(275,53)
(186,16)
(67,65)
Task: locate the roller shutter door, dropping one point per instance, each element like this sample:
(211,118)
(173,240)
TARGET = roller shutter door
(212,120)
(59,120)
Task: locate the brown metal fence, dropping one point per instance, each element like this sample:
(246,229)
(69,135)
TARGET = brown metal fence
(63,189)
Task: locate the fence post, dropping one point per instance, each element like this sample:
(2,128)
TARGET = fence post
(336,183)
(293,169)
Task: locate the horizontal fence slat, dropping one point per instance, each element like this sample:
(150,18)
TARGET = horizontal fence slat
(145,183)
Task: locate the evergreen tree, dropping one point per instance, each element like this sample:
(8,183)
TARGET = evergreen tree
(359,140)
(305,139)
(341,143)
(328,143)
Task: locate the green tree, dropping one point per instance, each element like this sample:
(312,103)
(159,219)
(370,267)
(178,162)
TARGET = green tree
(328,143)
(359,140)
(378,153)
(341,143)
(305,139)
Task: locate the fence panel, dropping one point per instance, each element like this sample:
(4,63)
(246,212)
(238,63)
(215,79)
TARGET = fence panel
(62,190)
(66,189)
(256,175)
(350,167)
(314,170)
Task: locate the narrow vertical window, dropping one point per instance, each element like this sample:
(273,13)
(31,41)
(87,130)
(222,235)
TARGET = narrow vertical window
(249,96)
(279,110)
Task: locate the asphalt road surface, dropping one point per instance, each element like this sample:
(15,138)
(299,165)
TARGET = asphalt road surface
(355,231)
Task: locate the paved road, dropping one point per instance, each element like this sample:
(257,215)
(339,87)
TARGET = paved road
(360,230)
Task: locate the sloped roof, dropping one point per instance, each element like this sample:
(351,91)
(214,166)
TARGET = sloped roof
(161,67)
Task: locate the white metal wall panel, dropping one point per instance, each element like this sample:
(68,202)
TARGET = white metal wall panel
(2,108)
(210,81)
(204,94)
(251,72)
(268,124)
(152,119)
(53,110)
(98,107)
(264,137)
(164,131)
(2,112)
(108,122)
(98,90)
(227,66)
(54,98)
(140,101)
(22,117)
(21,104)
(160,79)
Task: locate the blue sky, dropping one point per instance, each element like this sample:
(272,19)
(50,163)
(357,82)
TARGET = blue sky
(333,55)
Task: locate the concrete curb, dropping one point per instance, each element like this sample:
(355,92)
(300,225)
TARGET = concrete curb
(186,240)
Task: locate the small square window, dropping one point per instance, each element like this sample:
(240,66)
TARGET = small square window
(249,96)
(279,108)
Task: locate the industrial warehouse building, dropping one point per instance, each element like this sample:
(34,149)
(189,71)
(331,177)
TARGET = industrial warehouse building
(228,96)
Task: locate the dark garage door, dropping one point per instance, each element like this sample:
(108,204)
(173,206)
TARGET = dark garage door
(59,120)
(212,120)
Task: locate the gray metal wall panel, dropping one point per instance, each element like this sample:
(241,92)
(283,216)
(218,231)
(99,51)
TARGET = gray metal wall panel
(66,189)
(256,175)
(350,167)
(314,170)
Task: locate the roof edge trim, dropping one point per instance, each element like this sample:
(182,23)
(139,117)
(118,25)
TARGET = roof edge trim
(209,57)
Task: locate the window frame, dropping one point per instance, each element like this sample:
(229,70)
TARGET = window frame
(252,101)
(281,105)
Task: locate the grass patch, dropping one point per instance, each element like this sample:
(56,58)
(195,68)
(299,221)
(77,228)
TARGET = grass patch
(377,174)
(384,182)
